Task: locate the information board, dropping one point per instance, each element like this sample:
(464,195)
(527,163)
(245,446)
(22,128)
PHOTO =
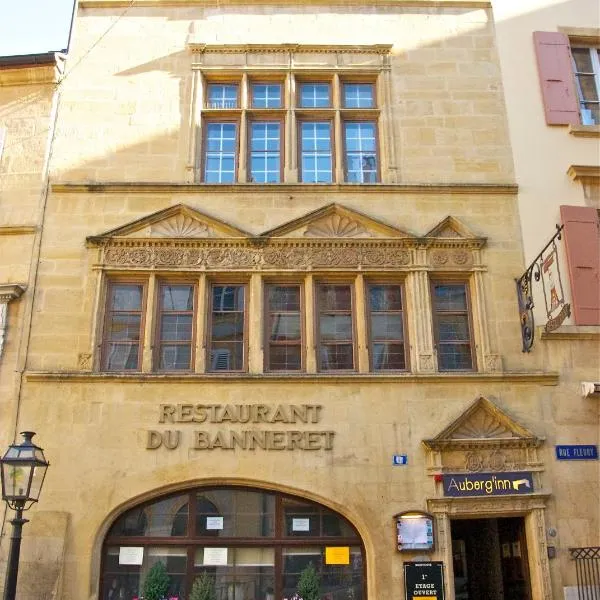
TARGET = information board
(424,580)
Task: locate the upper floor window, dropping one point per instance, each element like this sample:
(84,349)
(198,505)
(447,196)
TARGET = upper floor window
(451,317)
(123,326)
(266,95)
(227,331)
(335,327)
(284,327)
(222,95)
(587,73)
(334,137)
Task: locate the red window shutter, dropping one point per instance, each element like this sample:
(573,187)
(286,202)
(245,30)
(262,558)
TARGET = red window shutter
(555,70)
(582,243)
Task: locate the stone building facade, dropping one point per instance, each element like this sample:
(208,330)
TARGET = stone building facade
(274,322)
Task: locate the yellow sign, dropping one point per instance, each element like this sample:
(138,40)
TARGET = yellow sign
(337,555)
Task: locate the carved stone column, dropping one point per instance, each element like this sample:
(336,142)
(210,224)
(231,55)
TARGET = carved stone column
(8,292)
(418,288)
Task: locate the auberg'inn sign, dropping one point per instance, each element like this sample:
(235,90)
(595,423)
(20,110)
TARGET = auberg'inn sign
(252,427)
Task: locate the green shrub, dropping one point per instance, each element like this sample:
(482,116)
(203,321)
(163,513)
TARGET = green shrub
(309,587)
(203,588)
(156,584)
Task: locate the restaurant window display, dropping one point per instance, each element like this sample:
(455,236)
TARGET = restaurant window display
(248,544)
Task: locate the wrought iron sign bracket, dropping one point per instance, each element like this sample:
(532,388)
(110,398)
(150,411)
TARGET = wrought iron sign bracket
(544,266)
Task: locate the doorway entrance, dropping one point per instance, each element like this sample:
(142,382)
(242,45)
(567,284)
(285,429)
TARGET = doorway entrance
(490,559)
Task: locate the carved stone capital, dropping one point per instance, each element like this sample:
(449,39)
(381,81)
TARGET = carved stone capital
(11,291)
(493,363)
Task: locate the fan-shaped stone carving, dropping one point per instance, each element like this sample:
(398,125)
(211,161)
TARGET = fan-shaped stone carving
(336,226)
(180,226)
(482,424)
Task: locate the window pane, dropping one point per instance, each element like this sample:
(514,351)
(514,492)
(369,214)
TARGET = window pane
(450,297)
(228,326)
(336,357)
(235,513)
(175,357)
(126,297)
(314,95)
(222,95)
(266,95)
(122,357)
(284,327)
(177,297)
(335,327)
(385,297)
(583,60)
(335,297)
(285,358)
(284,298)
(361,152)
(123,327)
(387,326)
(226,356)
(358,95)
(265,154)
(453,328)
(388,356)
(164,518)
(176,327)
(454,356)
(316,152)
(220,151)
(228,298)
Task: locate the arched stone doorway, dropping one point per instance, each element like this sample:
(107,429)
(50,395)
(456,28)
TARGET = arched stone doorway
(253,543)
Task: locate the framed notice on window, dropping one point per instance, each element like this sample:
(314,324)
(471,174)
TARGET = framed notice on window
(414,531)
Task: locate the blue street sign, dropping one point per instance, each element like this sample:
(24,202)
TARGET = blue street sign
(400,459)
(577,452)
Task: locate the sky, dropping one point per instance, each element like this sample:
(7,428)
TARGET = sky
(34,26)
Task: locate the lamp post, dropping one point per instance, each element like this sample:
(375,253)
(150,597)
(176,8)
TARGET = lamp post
(22,471)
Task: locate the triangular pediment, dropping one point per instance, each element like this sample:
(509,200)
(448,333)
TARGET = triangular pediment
(483,423)
(335,221)
(179,221)
(451,227)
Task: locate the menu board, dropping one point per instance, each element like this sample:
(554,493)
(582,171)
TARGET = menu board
(414,531)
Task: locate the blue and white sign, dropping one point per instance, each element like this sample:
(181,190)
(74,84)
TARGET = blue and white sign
(400,459)
(577,452)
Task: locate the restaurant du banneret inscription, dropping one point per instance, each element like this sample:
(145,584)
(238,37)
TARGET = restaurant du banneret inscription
(253,433)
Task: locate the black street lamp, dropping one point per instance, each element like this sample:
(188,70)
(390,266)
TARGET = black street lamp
(23,469)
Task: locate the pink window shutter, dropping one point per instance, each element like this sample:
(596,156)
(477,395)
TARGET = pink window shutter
(582,243)
(557,80)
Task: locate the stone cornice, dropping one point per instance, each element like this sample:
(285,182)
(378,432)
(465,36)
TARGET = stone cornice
(140,187)
(11,291)
(477,443)
(17,229)
(199,47)
(583,172)
(592,131)
(35,72)
(527,377)
(478,505)
(219,3)
(572,332)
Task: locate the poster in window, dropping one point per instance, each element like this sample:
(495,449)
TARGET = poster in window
(215,557)
(337,555)
(131,555)
(300,524)
(414,531)
(214,522)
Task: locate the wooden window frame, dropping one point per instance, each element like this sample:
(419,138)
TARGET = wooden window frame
(225,82)
(266,81)
(158,311)
(375,123)
(301,80)
(316,119)
(352,81)
(265,118)
(468,312)
(317,326)
(368,327)
(594,53)
(209,323)
(110,284)
(302,315)
(214,119)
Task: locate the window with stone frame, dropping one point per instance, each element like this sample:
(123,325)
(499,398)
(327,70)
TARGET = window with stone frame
(277,124)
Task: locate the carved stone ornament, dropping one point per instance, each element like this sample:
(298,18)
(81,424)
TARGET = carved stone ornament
(84,361)
(426,362)
(336,226)
(181,226)
(241,255)
(459,258)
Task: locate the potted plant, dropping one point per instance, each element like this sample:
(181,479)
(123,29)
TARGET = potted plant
(156,584)
(309,587)
(203,588)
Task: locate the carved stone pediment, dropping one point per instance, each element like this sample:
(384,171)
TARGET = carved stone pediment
(176,222)
(336,221)
(483,424)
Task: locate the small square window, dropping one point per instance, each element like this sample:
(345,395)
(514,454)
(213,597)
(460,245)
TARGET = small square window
(358,95)
(315,95)
(222,95)
(266,95)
